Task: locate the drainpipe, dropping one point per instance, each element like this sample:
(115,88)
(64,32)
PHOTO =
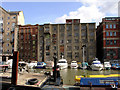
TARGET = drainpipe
(15,68)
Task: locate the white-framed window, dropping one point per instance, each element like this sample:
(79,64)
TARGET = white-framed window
(107,33)
(110,33)
(13,24)
(110,25)
(115,42)
(13,17)
(114,33)
(106,25)
(114,25)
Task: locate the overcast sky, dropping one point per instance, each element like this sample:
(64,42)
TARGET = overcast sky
(39,12)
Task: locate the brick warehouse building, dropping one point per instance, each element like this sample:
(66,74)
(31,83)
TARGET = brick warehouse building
(28,42)
(108,39)
(66,39)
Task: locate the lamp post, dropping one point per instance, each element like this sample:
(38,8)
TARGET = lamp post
(83,47)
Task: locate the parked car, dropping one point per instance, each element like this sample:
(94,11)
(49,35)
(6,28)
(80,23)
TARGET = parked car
(40,65)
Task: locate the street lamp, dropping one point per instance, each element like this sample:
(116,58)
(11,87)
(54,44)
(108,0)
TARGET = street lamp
(83,47)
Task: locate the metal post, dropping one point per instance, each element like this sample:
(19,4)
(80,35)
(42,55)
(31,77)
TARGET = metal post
(83,47)
(15,68)
(83,56)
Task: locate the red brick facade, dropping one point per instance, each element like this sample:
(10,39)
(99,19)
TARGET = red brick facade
(108,34)
(28,43)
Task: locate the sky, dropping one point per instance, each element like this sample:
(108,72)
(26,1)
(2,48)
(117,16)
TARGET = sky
(55,11)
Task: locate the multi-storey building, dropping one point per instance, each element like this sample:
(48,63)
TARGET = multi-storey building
(66,39)
(8,20)
(28,42)
(108,39)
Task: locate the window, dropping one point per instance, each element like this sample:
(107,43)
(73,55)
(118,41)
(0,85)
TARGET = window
(33,42)
(33,35)
(91,26)
(21,36)
(54,47)
(33,54)
(2,29)
(62,27)
(21,47)
(110,25)
(115,42)
(0,36)
(106,25)
(7,34)
(76,27)
(7,44)
(54,28)
(114,33)
(61,41)
(114,25)
(69,47)
(1,24)
(13,17)
(111,42)
(7,39)
(83,27)
(69,34)
(76,54)
(69,27)
(76,40)
(76,34)
(91,40)
(13,29)
(110,33)
(69,55)
(21,30)
(91,34)
(33,47)
(12,35)
(47,53)
(76,47)
(8,17)
(107,42)
(69,41)
(107,33)
(13,24)
(47,47)
(83,34)
(46,28)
